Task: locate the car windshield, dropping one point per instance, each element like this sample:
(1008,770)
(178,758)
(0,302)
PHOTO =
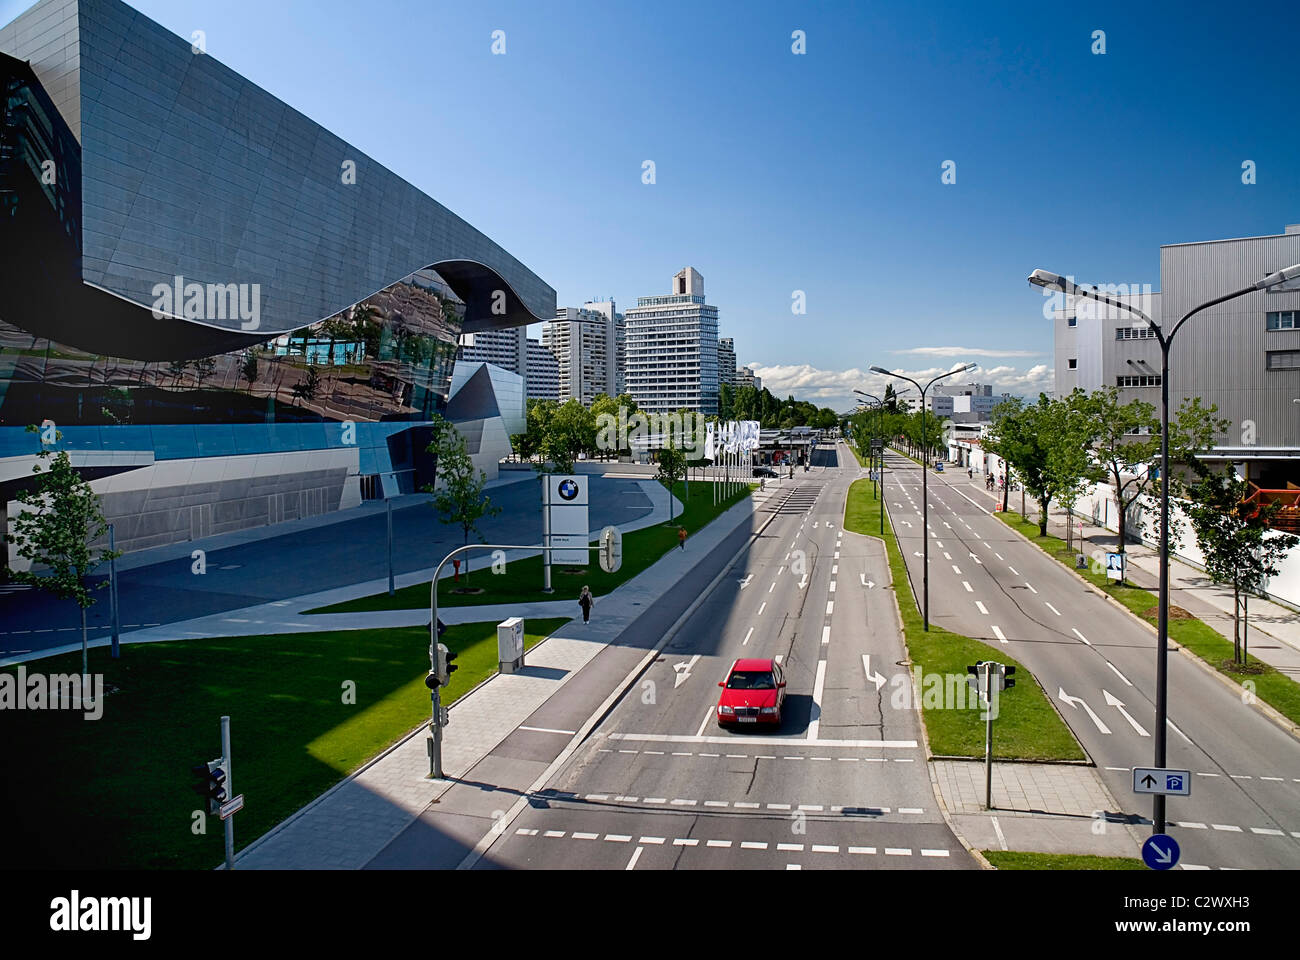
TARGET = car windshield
(751,680)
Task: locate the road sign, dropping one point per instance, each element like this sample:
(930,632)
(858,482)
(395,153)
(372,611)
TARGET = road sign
(1176,783)
(231,807)
(1160,851)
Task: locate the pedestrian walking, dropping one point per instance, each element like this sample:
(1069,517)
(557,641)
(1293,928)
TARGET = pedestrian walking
(681,537)
(586,601)
(970,473)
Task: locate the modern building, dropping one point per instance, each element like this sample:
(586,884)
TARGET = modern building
(543,376)
(672,349)
(590,345)
(745,378)
(726,361)
(959,402)
(507,349)
(167,232)
(1243,356)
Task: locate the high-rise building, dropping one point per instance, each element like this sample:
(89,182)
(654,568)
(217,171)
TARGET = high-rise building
(672,349)
(589,343)
(507,349)
(542,381)
(745,378)
(727,361)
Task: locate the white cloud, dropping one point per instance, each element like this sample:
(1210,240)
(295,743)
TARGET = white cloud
(968,352)
(834,388)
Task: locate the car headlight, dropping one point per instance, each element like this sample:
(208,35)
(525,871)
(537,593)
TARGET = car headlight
(726,709)
(768,710)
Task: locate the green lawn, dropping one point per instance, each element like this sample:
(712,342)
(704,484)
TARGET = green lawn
(1016,860)
(1272,687)
(115,792)
(522,580)
(1026,727)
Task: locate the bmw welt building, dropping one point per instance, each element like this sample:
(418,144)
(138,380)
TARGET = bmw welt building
(230,316)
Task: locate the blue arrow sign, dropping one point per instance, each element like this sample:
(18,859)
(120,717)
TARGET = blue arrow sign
(1160,851)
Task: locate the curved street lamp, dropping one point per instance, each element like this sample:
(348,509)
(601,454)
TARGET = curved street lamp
(1054,281)
(925,486)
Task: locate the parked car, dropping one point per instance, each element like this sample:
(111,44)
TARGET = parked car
(764,472)
(938,466)
(754,692)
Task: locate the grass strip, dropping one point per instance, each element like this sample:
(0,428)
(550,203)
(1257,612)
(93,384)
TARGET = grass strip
(1019,860)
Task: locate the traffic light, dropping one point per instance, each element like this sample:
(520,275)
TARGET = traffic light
(211,785)
(446,664)
(431,681)
(442,627)
(1007,673)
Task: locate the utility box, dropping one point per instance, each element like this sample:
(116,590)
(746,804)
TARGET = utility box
(510,645)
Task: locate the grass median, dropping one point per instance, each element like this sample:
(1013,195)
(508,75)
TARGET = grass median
(1018,860)
(521,581)
(1026,728)
(1271,686)
(306,710)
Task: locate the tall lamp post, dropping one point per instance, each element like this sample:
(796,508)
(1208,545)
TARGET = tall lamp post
(925,486)
(1054,281)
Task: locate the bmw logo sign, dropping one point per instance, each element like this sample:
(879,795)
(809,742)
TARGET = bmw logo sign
(568,489)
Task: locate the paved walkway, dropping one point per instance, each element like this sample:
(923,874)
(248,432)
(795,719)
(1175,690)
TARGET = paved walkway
(351,824)
(1039,807)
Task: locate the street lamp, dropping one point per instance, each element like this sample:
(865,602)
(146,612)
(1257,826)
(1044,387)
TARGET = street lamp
(925,485)
(1054,281)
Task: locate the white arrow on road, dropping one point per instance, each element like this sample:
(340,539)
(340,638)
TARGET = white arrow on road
(744,583)
(1076,702)
(865,582)
(1114,701)
(976,559)
(684,670)
(917,553)
(877,679)
(803,583)
(905,523)
(815,522)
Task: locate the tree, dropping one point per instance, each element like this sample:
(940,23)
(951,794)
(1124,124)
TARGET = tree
(1234,537)
(672,467)
(118,406)
(570,430)
(1072,431)
(62,520)
(248,369)
(1020,437)
(603,405)
(457,488)
(204,368)
(177,370)
(1003,415)
(306,389)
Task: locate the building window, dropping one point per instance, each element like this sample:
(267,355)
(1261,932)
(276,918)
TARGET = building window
(1135,333)
(1142,381)
(1072,322)
(1283,360)
(1073,362)
(1282,320)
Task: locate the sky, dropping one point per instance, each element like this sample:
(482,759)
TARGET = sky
(819,172)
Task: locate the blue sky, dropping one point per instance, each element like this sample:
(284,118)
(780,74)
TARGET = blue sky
(821,172)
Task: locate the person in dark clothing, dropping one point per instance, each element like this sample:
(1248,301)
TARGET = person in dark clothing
(586,600)
(681,537)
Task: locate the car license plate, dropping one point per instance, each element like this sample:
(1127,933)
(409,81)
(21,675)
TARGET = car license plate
(747,719)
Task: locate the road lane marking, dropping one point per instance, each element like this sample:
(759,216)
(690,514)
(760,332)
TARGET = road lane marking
(762,607)
(567,733)
(1082,637)
(747,636)
(826,634)
(1053,609)
(969,588)
(983,609)
(947,556)
(708,715)
(997,828)
(956,569)
(1177,731)
(772,587)
(997,632)
(1032,590)
(1013,570)
(832,588)
(1117,673)
(830,607)
(819,685)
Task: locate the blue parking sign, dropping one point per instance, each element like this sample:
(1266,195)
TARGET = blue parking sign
(1160,851)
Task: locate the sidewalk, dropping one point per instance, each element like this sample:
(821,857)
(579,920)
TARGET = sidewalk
(352,823)
(1037,807)
(1274,630)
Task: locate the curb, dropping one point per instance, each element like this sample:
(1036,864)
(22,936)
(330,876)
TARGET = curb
(1276,717)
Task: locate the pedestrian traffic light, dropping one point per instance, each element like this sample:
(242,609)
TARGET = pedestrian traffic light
(446,664)
(211,783)
(431,681)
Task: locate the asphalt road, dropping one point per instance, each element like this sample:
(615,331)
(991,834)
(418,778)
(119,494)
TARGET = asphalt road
(292,564)
(842,784)
(986,582)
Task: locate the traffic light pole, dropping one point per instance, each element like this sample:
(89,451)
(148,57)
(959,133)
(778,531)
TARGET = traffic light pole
(435,723)
(229,822)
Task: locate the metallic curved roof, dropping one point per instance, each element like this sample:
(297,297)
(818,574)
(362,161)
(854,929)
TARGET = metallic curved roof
(189,170)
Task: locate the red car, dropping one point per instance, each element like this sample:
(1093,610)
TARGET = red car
(753,692)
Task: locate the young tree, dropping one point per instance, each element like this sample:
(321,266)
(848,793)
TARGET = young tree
(62,520)
(248,369)
(571,430)
(1234,536)
(1072,433)
(1005,416)
(672,467)
(457,488)
(204,367)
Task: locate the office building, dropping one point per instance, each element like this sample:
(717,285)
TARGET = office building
(745,378)
(543,376)
(727,361)
(672,349)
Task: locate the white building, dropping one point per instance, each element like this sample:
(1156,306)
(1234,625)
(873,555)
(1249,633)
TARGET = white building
(745,378)
(507,349)
(543,375)
(672,349)
(590,345)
